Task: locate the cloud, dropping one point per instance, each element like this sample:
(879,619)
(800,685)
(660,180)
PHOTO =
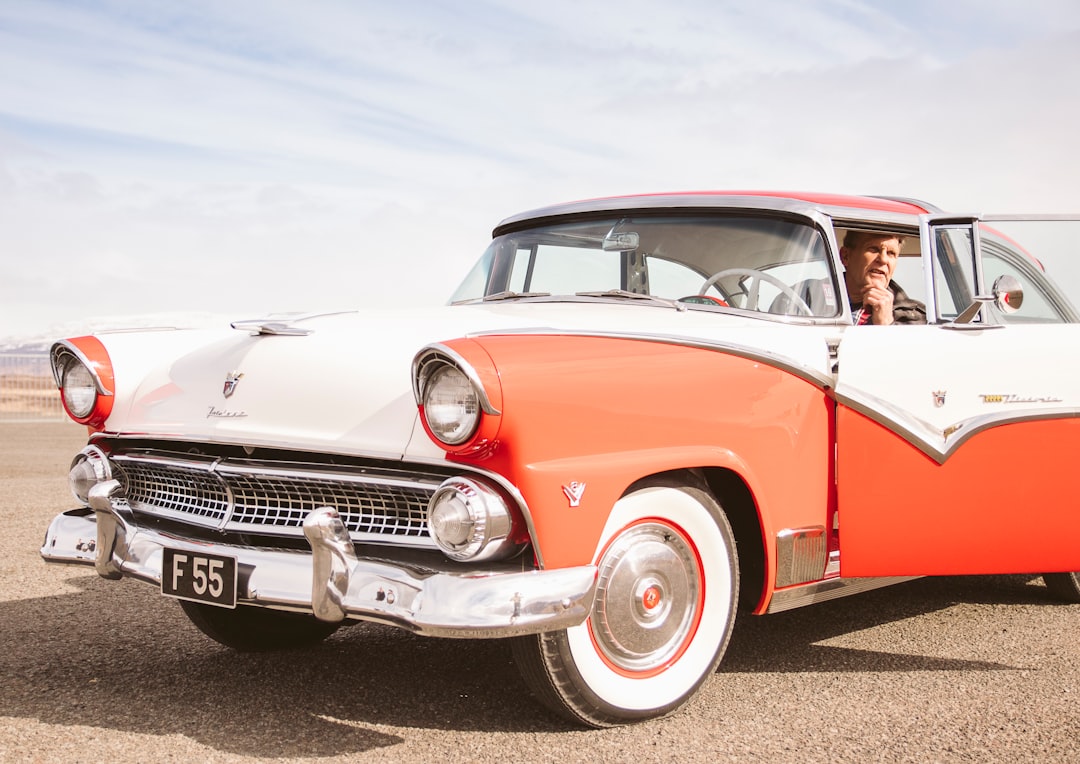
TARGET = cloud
(249,156)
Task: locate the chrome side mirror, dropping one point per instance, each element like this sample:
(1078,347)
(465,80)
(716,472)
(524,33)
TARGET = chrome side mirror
(1008,294)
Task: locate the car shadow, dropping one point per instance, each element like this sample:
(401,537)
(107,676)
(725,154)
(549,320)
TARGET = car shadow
(119,656)
(790,641)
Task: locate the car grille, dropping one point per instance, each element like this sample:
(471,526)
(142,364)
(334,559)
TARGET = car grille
(274,498)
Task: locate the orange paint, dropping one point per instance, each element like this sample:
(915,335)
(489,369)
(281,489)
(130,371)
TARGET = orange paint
(101,364)
(607,412)
(1004,502)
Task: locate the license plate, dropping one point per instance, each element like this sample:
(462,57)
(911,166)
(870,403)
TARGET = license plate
(199,577)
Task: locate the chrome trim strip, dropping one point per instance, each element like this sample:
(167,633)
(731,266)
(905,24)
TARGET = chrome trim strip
(936,443)
(823,591)
(498,601)
(707,201)
(57,351)
(796,368)
(439,353)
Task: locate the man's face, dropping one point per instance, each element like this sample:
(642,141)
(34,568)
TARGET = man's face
(869,263)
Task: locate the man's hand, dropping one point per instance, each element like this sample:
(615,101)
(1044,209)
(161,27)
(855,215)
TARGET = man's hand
(879,301)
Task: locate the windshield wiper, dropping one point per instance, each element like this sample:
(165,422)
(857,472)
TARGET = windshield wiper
(624,294)
(513,295)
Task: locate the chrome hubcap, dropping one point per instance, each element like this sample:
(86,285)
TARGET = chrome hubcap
(647,598)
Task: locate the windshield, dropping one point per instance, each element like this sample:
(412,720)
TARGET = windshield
(776,266)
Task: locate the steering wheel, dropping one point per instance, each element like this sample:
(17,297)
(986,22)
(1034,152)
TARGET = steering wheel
(756,277)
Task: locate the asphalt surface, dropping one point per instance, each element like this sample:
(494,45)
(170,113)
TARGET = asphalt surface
(947,669)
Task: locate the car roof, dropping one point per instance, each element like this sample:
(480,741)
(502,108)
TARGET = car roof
(882,209)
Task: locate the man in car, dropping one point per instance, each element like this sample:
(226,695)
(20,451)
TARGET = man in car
(869,260)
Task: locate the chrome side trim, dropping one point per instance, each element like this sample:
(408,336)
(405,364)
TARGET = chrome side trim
(498,601)
(794,367)
(801,554)
(822,591)
(936,443)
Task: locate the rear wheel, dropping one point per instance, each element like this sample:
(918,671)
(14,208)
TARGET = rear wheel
(254,629)
(1064,586)
(667,585)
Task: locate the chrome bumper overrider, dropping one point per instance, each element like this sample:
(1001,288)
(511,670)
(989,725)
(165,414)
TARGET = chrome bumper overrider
(331,581)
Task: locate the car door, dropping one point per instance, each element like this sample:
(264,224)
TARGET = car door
(956,442)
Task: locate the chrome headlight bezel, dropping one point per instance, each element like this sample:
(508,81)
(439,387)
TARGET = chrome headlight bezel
(87,397)
(470,520)
(451,396)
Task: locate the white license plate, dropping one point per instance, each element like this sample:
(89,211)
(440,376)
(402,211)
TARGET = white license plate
(199,577)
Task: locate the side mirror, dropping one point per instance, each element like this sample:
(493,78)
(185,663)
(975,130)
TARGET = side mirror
(1008,294)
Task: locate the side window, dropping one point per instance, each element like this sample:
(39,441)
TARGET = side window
(954,269)
(1037,307)
(959,277)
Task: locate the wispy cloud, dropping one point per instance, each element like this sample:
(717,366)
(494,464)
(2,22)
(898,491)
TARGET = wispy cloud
(249,155)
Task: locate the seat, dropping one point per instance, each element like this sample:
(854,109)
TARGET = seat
(818,294)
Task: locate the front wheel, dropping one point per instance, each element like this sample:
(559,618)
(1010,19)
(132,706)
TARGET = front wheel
(667,586)
(253,629)
(1064,586)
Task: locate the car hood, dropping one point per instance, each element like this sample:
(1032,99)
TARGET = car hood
(346,385)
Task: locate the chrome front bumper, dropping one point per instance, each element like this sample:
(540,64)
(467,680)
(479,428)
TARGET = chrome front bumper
(331,581)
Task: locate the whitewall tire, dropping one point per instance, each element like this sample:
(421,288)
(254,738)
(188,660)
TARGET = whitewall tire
(667,588)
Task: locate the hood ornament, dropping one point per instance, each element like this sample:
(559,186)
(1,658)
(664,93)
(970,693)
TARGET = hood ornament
(232,379)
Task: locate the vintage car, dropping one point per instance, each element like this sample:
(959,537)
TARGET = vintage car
(637,417)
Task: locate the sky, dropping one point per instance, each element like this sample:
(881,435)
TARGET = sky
(232,159)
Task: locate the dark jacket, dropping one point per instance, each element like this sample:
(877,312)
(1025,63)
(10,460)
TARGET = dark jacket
(904,309)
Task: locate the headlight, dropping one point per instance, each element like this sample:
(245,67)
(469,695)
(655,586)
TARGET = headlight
(80,388)
(83,372)
(471,521)
(451,406)
(89,468)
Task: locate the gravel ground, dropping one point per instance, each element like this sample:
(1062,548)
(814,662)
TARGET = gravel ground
(946,669)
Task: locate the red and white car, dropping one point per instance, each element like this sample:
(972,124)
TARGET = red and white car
(637,417)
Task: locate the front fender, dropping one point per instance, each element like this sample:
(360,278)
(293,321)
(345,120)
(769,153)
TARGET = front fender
(584,417)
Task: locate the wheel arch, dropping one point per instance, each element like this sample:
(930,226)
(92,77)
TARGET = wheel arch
(733,495)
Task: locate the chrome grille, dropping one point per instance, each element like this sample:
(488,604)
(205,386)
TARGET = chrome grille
(176,489)
(275,498)
(366,507)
